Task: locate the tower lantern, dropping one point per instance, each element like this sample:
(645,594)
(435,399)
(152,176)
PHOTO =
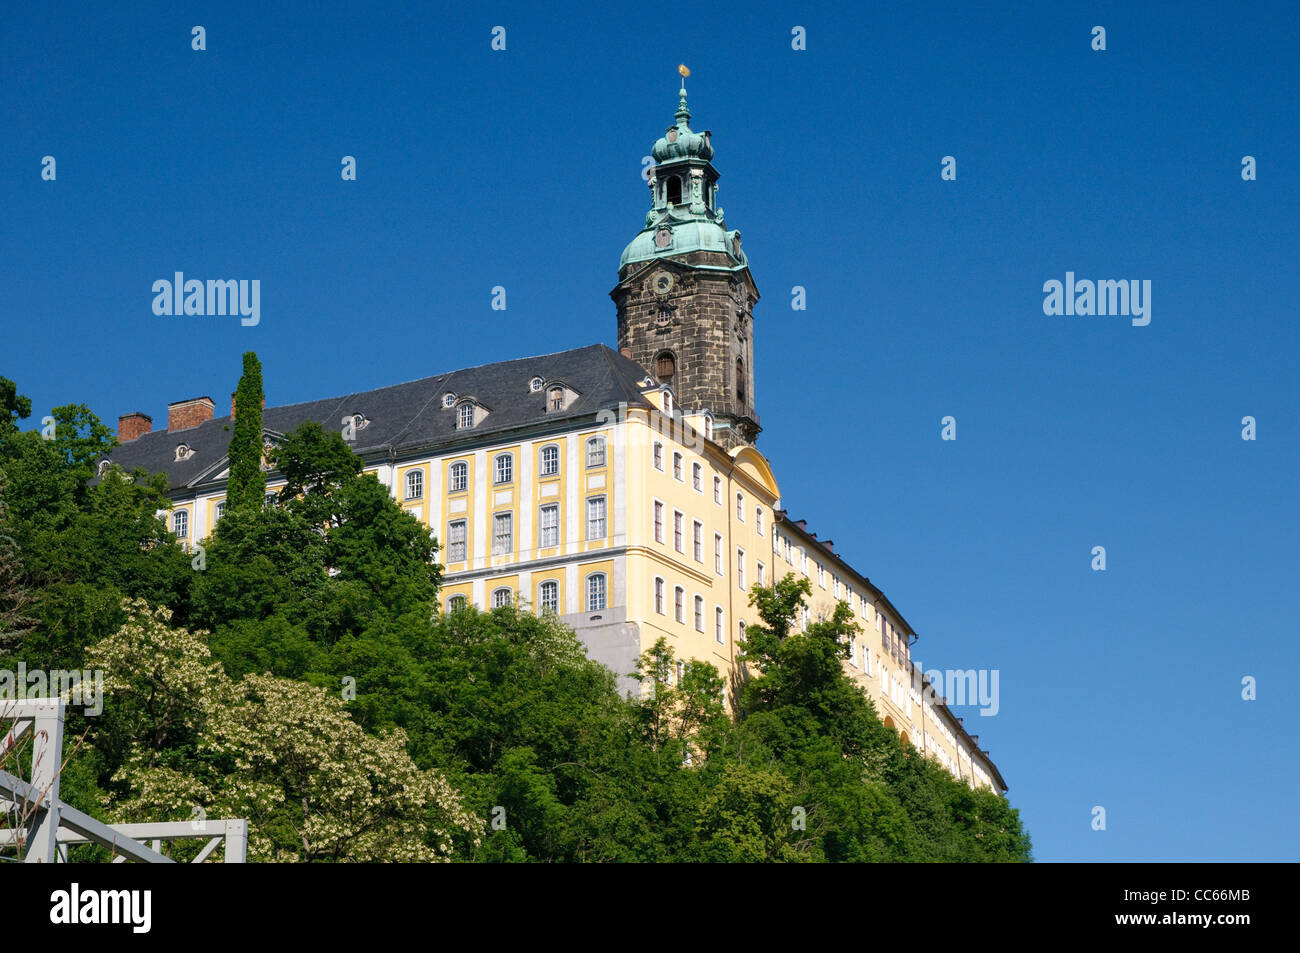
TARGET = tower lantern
(685,297)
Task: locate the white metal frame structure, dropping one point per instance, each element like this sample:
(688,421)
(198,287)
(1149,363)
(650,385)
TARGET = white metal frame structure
(48,826)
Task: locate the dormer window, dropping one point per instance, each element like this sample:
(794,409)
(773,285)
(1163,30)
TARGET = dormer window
(360,422)
(535,384)
(465,416)
(184,452)
(555,399)
(449,400)
(103,467)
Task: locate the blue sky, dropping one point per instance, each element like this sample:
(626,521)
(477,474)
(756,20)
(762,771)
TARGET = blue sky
(522,169)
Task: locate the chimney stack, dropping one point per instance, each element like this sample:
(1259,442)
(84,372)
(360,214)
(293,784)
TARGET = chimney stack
(185,414)
(130,426)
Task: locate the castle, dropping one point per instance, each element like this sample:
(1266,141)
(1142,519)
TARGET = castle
(621,490)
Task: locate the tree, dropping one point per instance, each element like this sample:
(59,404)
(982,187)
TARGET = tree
(281,753)
(13,407)
(16,600)
(246,485)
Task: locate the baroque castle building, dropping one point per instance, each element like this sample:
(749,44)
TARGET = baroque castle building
(621,490)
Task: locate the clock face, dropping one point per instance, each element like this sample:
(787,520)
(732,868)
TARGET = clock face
(662,283)
(663,237)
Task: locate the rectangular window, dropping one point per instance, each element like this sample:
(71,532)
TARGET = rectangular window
(740,568)
(596,452)
(659,595)
(550,461)
(456,541)
(717,490)
(659,456)
(677,467)
(699,613)
(758,520)
(698,542)
(503,535)
(659,522)
(697,476)
(762,575)
(596,518)
(550,526)
(717,624)
(679,604)
(717,554)
(740,507)
(677,531)
(550,596)
(596,592)
(505,468)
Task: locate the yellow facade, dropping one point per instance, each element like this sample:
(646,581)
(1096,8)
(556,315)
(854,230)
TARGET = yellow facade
(637,526)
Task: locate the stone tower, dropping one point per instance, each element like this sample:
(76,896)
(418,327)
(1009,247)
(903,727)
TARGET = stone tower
(685,297)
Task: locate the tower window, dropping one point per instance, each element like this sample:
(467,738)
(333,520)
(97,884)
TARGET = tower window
(665,366)
(674,190)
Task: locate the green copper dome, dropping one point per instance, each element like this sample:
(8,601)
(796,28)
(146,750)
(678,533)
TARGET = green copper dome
(684,216)
(679,142)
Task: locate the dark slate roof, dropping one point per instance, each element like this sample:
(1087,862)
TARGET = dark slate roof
(407,417)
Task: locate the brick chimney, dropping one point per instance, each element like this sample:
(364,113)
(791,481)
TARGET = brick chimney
(130,426)
(232,403)
(185,414)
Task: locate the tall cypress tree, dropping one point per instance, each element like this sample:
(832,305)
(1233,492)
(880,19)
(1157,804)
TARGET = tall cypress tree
(246,486)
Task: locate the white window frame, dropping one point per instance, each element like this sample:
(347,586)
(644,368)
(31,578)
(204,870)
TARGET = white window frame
(459,468)
(541,595)
(543,529)
(508,459)
(602,592)
(596,456)
(452,542)
(597,527)
(419,485)
(551,448)
(503,544)
(660,595)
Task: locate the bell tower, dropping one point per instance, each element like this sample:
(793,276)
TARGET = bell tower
(685,297)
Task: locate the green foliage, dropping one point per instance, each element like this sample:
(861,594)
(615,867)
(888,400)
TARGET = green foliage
(303,678)
(246,485)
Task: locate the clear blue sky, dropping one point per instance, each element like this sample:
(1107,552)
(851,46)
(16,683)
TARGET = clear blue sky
(522,169)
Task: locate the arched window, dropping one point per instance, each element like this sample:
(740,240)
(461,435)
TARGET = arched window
(718,630)
(459,477)
(465,416)
(555,399)
(740,507)
(501,597)
(740,380)
(548,596)
(181,524)
(595,592)
(674,190)
(504,468)
(415,485)
(665,366)
(550,460)
(596,452)
(457,604)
